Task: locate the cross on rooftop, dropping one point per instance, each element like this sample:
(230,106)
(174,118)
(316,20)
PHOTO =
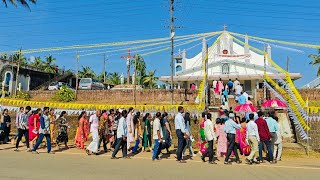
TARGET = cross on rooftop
(225,27)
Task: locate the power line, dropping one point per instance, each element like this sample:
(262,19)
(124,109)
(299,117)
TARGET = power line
(87,46)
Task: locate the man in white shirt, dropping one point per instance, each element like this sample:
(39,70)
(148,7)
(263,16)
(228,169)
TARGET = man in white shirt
(122,131)
(210,137)
(252,138)
(181,133)
(157,137)
(236,83)
(94,125)
(238,90)
(278,143)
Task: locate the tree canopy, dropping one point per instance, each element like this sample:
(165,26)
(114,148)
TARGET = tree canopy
(22,2)
(316,61)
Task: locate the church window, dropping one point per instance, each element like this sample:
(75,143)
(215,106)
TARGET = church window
(225,69)
(178,68)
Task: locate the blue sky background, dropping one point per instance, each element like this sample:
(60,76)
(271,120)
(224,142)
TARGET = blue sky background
(60,23)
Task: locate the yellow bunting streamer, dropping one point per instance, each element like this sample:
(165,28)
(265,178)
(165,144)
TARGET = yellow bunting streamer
(138,47)
(316,46)
(313,109)
(290,102)
(163,49)
(77,106)
(90,46)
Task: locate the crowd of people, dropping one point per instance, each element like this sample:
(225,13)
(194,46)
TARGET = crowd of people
(231,88)
(122,128)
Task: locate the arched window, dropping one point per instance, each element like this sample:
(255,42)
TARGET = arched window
(225,69)
(178,68)
(7,78)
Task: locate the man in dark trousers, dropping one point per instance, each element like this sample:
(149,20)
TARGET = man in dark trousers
(265,137)
(23,129)
(122,136)
(230,129)
(44,132)
(181,133)
(211,137)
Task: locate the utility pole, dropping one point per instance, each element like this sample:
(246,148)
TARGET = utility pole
(104,67)
(135,81)
(77,73)
(288,59)
(128,57)
(18,69)
(172,33)
(207,96)
(264,72)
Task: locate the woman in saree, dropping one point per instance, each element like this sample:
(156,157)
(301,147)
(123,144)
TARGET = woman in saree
(241,138)
(82,131)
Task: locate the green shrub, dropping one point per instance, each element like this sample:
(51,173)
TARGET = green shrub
(65,95)
(22,95)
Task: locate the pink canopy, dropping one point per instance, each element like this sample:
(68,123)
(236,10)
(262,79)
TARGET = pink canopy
(245,108)
(274,103)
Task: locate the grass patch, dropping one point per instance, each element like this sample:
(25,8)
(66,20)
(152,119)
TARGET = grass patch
(297,153)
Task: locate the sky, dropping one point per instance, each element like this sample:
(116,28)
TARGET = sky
(61,23)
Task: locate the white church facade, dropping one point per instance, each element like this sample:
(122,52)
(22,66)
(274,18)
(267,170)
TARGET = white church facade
(226,60)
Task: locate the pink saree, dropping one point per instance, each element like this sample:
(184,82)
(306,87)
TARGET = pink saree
(244,146)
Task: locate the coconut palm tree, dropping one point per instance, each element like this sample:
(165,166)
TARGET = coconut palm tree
(316,61)
(22,2)
(141,68)
(49,65)
(16,58)
(150,80)
(38,63)
(86,72)
(114,78)
(101,76)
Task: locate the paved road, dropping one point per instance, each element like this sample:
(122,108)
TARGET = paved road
(73,164)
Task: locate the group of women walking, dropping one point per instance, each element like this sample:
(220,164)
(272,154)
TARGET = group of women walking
(28,125)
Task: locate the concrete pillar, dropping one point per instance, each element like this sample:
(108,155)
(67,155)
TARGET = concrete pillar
(28,83)
(184,57)
(231,46)
(122,78)
(204,47)
(19,87)
(2,90)
(246,48)
(269,50)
